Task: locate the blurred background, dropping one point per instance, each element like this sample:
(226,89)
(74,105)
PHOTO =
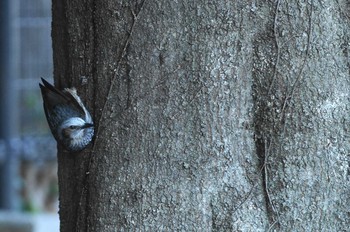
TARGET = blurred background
(28,168)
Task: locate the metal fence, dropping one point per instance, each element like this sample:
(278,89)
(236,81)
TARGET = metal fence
(25,56)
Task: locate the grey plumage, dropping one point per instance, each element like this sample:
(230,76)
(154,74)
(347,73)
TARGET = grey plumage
(68,119)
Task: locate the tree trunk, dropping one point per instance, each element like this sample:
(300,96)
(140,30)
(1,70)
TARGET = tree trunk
(209,116)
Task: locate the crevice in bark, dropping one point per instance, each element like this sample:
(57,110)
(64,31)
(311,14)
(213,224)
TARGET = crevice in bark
(263,143)
(59,34)
(128,81)
(83,207)
(67,173)
(94,61)
(265,104)
(262,153)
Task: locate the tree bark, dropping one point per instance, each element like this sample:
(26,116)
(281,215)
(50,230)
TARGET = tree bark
(209,116)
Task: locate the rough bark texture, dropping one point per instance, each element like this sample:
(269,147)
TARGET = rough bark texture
(210,116)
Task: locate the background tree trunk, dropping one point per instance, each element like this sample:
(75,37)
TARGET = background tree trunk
(210,116)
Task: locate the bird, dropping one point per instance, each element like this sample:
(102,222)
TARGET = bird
(69,121)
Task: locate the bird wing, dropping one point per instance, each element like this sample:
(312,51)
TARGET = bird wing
(73,94)
(54,97)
